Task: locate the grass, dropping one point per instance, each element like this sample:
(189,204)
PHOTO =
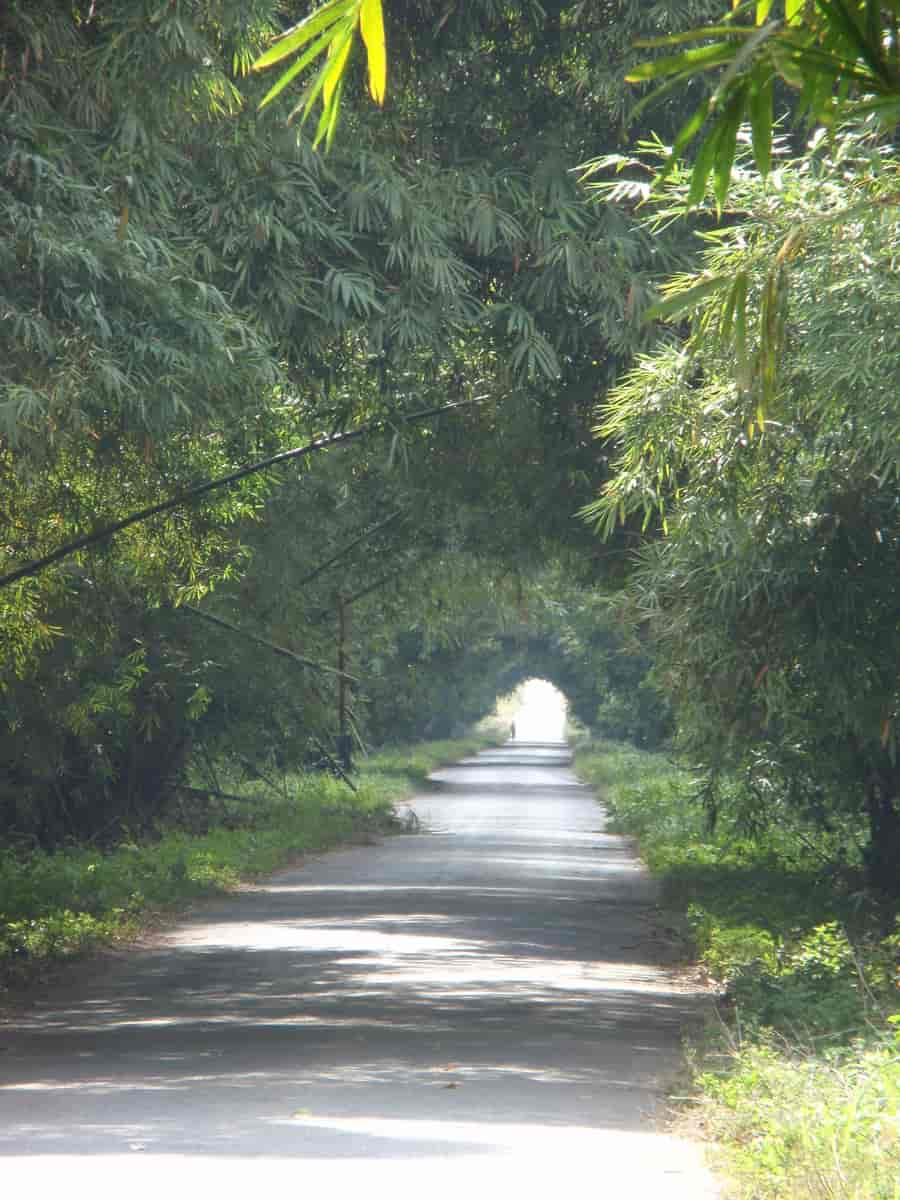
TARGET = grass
(403,767)
(798,1087)
(56,906)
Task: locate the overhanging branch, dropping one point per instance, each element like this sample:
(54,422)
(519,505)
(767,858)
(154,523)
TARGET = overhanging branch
(201,489)
(261,641)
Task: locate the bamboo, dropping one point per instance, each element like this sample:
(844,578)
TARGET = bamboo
(201,489)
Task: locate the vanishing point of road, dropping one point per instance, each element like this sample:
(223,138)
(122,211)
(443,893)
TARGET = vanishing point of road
(479,1010)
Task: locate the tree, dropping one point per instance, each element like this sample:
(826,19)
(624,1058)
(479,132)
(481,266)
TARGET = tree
(190,287)
(841,57)
(771,595)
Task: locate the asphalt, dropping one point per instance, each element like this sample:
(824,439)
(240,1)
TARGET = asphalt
(480,1009)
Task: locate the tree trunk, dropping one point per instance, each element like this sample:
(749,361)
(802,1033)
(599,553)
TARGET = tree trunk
(883,852)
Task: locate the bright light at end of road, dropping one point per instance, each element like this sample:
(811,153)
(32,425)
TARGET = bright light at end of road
(541,716)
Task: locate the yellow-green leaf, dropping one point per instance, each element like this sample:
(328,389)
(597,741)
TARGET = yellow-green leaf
(307,29)
(337,55)
(371,25)
(295,68)
(681,302)
(702,59)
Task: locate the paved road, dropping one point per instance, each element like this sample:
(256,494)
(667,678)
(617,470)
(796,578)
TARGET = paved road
(473,1011)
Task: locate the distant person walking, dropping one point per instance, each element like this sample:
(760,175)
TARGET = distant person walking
(512,731)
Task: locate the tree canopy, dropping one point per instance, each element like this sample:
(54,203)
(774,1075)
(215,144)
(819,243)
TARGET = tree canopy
(190,289)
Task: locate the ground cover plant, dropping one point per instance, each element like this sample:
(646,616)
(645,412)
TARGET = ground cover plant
(799,1082)
(56,905)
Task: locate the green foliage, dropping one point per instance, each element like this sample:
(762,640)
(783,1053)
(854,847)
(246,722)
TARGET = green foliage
(842,56)
(774,489)
(768,909)
(330,30)
(810,1126)
(799,1086)
(59,904)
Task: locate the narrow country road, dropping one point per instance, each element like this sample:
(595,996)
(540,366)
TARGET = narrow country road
(474,1011)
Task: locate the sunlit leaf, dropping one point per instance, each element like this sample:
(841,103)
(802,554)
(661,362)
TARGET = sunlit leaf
(295,68)
(294,38)
(371,25)
(684,302)
(331,31)
(702,59)
(338,53)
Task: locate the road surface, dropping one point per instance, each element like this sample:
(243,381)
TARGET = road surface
(476,1010)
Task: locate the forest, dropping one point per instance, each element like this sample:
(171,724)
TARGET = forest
(686,519)
(344,389)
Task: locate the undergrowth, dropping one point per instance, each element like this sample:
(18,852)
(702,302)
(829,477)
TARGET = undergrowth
(405,765)
(56,905)
(799,1084)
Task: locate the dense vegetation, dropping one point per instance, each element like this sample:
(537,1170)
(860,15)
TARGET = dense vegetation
(79,898)
(191,288)
(498,302)
(799,1084)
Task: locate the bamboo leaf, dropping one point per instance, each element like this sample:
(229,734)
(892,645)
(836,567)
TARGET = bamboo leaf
(726,142)
(309,97)
(337,60)
(693,35)
(740,329)
(763,8)
(761,116)
(307,29)
(702,167)
(702,59)
(371,24)
(295,68)
(340,42)
(738,291)
(841,17)
(686,301)
(658,94)
(793,11)
(690,128)
(335,109)
(743,56)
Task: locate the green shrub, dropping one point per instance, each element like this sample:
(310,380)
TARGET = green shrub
(56,905)
(807,1126)
(803,1101)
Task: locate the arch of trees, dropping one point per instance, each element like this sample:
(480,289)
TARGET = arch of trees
(189,288)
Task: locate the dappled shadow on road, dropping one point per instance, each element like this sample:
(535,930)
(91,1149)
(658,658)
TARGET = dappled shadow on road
(247,1023)
(495,989)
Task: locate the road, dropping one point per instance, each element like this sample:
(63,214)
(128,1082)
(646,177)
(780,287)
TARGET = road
(476,1009)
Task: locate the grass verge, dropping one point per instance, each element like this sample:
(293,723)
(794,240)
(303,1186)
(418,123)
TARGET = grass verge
(402,768)
(799,1085)
(56,906)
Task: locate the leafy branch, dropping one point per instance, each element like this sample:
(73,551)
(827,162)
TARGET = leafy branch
(329,31)
(841,55)
(201,489)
